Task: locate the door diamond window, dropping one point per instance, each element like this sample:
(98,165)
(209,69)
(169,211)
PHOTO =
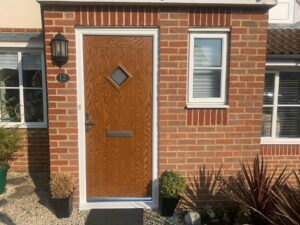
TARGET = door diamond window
(119,76)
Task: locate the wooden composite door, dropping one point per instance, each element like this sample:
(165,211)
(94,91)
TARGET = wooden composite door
(118,102)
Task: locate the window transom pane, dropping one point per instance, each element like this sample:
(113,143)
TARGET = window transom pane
(207,52)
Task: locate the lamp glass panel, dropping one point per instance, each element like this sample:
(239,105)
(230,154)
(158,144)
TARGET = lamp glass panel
(58,48)
(63,48)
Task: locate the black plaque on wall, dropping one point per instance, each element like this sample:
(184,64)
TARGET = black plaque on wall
(63,78)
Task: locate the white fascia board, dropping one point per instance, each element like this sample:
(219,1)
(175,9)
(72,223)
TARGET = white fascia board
(268,3)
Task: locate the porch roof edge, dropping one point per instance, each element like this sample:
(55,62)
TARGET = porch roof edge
(246,3)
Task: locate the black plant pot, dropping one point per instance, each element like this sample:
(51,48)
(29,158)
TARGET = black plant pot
(168,206)
(3,173)
(62,207)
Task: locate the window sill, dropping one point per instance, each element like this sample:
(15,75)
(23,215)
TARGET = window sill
(206,106)
(280,141)
(23,126)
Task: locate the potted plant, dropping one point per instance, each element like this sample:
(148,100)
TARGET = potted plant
(62,187)
(172,186)
(9,143)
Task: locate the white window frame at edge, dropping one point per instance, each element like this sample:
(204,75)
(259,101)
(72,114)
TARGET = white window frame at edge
(208,102)
(10,48)
(273,139)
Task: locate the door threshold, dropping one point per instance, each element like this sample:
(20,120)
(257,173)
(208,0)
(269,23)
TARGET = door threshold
(118,199)
(118,205)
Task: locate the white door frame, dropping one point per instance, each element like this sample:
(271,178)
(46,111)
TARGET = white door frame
(83,203)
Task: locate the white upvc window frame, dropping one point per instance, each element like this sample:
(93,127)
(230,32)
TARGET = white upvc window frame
(22,123)
(273,139)
(205,33)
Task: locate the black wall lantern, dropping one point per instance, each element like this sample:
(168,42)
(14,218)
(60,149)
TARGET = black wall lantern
(59,46)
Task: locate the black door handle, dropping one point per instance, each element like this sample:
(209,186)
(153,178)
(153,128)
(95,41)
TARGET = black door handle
(88,122)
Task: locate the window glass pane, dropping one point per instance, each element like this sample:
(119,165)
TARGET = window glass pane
(9,105)
(33,100)
(207,52)
(289,88)
(207,84)
(9,70)
(269,89)
(288,122)
(119,76)
(32,72)
(267,122)
(32,78)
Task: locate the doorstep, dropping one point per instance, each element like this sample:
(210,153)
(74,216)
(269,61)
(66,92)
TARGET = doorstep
(115,217)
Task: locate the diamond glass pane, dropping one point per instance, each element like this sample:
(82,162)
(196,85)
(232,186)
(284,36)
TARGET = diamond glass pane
(119,76)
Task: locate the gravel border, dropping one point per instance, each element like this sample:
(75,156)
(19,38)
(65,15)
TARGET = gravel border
(26,202)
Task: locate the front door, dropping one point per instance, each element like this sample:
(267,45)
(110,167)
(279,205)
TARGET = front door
(118,104)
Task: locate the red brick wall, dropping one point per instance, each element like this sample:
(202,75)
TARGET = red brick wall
(188,137)
(34,154)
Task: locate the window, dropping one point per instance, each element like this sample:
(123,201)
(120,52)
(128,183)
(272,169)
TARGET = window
(22,89)
(281,109)
(207,70)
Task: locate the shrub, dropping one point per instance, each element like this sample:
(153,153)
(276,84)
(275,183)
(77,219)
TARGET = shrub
(61,186)
(287,204)
(297,180)
(172,185)
(9,142)
(252,189)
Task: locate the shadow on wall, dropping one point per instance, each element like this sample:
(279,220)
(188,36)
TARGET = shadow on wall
(39,163)
(203,189)
(115,217)
(5,219)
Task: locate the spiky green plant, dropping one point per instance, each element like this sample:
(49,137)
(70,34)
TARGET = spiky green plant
(202,188)
(287,204)
(172,185)
(297,177)
(10,139)
(252,189)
